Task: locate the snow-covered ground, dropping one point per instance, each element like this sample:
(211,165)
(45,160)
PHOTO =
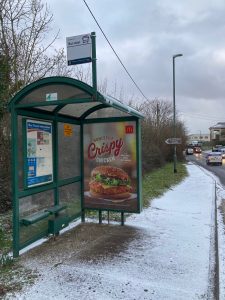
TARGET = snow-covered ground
(166,252)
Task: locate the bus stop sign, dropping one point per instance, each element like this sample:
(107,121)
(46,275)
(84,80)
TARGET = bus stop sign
(79,49)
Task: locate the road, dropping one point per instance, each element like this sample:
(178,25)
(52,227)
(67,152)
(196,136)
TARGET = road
(219,171)
(199,159)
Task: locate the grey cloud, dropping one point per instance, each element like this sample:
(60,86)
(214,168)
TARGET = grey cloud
(194,28)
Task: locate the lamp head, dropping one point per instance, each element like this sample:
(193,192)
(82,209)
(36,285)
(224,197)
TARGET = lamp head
(177,55)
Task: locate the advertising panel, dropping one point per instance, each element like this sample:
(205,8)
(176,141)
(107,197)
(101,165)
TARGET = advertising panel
(39,153)
(110,166)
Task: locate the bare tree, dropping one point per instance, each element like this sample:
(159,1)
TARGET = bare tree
(82,73)
(24,29)
(156,128)
(26,54)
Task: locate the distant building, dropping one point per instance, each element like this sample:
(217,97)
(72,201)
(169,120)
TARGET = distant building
(217,132)
(201,137)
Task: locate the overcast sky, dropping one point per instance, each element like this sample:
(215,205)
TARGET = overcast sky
(146,34)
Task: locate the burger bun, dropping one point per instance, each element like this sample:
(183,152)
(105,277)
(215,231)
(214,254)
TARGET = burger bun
(121,196)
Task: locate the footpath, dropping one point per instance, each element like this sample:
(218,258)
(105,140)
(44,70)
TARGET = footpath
(166,252)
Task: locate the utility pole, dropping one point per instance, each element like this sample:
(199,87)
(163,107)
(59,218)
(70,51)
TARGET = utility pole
(157,115)
(174,116)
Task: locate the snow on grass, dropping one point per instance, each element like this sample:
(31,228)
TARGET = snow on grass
(166,258)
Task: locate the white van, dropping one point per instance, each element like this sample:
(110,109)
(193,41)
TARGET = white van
(214,158)
(189,150)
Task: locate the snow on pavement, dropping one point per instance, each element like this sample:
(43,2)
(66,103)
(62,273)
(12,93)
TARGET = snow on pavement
(166,257)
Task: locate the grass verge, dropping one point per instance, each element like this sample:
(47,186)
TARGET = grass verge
(12,275)
(5,239)
(159,181)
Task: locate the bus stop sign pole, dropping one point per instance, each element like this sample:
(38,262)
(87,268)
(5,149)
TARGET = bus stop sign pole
(94,64)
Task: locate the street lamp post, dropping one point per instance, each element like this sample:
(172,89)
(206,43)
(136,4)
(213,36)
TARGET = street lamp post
(174,115)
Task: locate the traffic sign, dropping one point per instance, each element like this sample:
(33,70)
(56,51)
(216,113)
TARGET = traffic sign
(173,141)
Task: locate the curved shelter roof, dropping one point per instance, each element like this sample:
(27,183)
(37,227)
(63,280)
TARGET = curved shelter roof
(69,97)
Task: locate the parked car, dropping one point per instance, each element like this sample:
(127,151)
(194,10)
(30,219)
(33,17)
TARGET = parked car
(217,148)
(214,158)
(222,150)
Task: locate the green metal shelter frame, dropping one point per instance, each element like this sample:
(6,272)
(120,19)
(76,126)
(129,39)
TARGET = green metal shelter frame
(77,104)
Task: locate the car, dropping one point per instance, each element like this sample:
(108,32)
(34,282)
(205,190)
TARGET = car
(217,148)
(197,150)
(222,150)
(214,158)
(189,150)
(195,144)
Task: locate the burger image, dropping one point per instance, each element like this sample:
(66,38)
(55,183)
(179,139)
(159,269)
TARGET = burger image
(109,182)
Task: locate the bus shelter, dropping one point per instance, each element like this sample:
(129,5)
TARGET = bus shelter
(73,149)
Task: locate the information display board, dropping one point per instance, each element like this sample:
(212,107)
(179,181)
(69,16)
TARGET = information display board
(110,166)
(39,153)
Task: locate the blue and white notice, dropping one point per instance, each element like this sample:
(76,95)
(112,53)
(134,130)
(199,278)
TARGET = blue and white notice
(39,153)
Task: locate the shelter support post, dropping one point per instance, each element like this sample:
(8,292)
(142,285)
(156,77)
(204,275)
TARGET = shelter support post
(82,172)
(14,122)
(108,216)
(55,162)
(94,64)
(139,171)
(100,216)
(83,216)
(122,218)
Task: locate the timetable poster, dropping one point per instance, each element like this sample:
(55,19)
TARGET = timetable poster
(39,153)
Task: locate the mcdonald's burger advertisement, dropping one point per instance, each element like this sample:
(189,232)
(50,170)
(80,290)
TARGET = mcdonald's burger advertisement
(110,166)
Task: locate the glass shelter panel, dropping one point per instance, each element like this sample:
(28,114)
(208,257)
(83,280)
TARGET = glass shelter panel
(52,92)
(70,195)
(47,108)
(107,113)
(28,206)
(68,150)
(78,109)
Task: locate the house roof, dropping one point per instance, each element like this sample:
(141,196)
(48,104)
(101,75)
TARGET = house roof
(219,125)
